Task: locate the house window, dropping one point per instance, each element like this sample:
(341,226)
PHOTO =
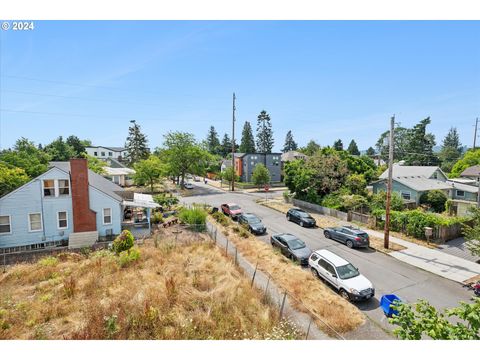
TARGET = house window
(63,187)
(460,193)
(62,220)
(405,195)
(110,153)
(5,224)
(48,188)
(103,153)
(35,222)
(107,216)
(95,153)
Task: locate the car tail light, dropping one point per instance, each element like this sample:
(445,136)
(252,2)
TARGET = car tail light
(358,238)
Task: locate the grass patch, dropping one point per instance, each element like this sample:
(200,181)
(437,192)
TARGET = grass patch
(177,290)
(316,296)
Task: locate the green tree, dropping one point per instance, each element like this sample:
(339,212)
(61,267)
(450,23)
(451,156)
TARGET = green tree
(77,145)
(353,148)
(311,148)
(247,145)
(470,158)
(356,184)
(434,199)
(149,171)
(370,151)
(422,319)
(400,144)
(59,150)
(472,232)
(261,175)
(290,144)
(451,150)
(264,133)
(182,154)
(226,147)
(27,156)
(95,164)
(136,144)
(213,143)
(11,177)
(420,145)
(379,201)
(338,145)
(228,174)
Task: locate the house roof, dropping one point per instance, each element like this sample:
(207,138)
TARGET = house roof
(96,181)
(420,183)
(114,148)
(472,171)
(401,170)
(118,171)
(464,187)
(292,155)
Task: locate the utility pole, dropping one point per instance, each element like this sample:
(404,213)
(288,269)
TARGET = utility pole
(233,144)
(389,185)
(475,134)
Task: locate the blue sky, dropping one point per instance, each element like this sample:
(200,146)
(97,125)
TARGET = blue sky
(322,79)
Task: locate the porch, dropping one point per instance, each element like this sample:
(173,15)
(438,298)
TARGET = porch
(136,214)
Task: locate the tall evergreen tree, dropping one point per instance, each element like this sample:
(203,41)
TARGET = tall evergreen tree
(370,151)
(213,143)
(451,150)
(353,148)
(264,133)
(338,145)
(136,144)
(247,145)
(226,146)
(290,144)
(420,145)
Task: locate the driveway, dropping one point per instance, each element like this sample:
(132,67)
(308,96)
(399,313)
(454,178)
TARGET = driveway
(388,274)
(458,248)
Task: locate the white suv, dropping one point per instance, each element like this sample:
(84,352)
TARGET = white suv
(341,274)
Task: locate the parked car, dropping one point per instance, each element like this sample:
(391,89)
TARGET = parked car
(348,235)
(342,275)
(196,178)
(253,222)
(301,217)
(292,247)
(188,186)
(232,210)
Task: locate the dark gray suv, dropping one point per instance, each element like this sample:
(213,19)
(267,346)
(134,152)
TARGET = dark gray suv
(348,235)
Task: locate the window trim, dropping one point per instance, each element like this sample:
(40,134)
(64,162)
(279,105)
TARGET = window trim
(406,192)
(30,223)
(58,220)
(103,216)
(9,224)
(54,188)
(58,187)
(456,193)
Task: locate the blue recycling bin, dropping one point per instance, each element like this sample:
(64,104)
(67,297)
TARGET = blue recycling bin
(385,303)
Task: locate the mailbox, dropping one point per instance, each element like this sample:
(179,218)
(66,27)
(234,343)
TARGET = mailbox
(428,232)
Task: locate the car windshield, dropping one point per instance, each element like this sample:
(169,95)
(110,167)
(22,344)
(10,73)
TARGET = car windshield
(252,219)
(347,271)
(304,214)
(296,244)
(234,207)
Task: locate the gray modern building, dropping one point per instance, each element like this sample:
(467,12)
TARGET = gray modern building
(245,163)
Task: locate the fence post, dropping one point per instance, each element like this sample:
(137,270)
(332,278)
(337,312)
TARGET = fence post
(308,330)
(236,252)
(226,249)
(283,304)
(254,273)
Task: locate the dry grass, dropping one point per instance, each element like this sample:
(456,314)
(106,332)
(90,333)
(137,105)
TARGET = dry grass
(174,291)
(313,294)
(326,221)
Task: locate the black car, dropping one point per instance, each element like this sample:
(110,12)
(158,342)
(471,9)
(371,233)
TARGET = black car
(254,224)
(292,247)
(301,217)
(348,235)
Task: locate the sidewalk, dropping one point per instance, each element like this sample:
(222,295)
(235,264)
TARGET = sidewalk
(434,261)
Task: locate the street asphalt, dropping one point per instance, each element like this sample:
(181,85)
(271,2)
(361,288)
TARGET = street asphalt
(389,275)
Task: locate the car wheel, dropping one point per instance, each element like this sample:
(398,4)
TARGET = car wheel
(344,295)
(315,273)
(301,223)
(350,243)
(327,234)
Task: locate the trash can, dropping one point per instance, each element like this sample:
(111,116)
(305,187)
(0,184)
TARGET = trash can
(385,303)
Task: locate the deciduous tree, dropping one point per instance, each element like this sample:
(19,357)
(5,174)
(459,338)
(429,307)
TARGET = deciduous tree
(59,150)
(470,158)
(311,148)
(148,171)
(472,232)
(11,177)
(261,175)
(27,156)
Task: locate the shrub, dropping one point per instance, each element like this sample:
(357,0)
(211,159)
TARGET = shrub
(196,217)
(165,200)
(244,232)
(236,229)
(287,196)
(127,257)
(379,200)
(434,199)
(156,218)
(48,261)
(332,201)
(69,286)
(123,242)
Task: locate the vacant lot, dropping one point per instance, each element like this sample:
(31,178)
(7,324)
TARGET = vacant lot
(173,291)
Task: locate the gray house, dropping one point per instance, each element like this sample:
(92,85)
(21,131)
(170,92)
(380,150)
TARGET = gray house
(245,163)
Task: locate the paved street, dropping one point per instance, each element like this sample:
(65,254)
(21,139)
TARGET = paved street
(388,274)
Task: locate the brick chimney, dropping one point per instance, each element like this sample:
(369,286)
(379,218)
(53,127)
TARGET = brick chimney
(84,219)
